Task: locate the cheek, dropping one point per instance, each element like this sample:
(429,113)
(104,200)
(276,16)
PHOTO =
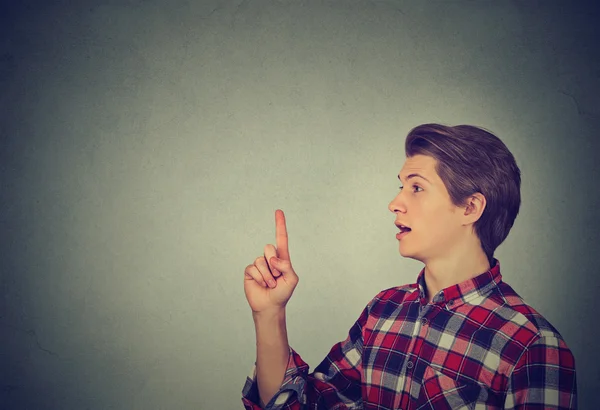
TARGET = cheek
(437,222)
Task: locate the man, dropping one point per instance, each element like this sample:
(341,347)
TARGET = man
(458,338)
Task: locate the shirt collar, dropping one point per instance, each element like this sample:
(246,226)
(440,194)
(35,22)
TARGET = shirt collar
(468,291)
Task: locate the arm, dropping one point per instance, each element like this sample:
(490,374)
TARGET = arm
(335,383)
(544,377)
(268,285)
(279,371)
(272,352)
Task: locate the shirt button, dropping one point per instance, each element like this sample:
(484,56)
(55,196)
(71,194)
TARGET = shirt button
(409,365)
(424,321)
(450,302)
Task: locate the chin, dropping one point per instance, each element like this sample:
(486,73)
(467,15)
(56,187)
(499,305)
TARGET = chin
(405,252)
(411,255)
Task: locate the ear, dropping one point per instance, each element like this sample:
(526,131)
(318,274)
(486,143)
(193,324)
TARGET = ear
(475,205)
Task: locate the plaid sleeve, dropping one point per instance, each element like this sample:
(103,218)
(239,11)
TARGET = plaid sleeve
(544,377)
(284,399)
(335,383)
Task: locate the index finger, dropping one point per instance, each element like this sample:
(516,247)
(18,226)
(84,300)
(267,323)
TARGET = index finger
(281,236)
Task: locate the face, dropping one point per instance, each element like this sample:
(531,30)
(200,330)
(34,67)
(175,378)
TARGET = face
(423,204)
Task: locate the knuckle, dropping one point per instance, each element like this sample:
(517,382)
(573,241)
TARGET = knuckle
(266,274)
(255,274)
(262,268)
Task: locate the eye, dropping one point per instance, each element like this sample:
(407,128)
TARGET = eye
(414,186)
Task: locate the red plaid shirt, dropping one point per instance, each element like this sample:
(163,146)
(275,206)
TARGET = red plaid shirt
(477,345)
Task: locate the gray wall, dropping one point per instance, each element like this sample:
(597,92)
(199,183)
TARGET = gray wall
(146,145)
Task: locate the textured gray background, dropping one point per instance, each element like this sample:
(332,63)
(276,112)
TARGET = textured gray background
(146,145)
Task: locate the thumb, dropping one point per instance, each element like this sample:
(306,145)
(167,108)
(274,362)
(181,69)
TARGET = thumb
(287,272)
(282,266)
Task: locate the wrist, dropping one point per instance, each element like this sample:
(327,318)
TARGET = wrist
(271,330)
(274,314)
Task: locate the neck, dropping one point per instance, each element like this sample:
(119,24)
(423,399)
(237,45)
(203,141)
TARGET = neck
(444,272)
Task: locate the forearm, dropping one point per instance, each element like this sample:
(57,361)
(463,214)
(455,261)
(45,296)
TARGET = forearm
(272,352)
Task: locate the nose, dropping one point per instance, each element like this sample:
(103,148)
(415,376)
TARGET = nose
(397,204)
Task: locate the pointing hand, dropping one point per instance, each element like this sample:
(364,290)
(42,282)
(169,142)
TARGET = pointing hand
(270,281)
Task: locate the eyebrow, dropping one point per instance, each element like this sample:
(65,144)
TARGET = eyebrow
(413,176)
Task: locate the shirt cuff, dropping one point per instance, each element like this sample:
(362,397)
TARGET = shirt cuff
(293,382)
